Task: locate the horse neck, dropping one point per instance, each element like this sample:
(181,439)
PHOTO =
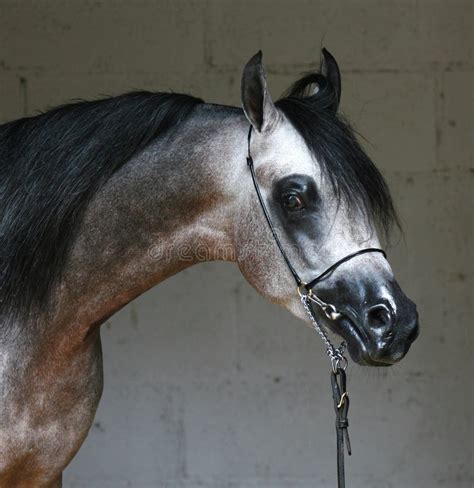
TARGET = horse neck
(167,209)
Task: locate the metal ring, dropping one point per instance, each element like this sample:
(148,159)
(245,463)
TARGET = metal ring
(306,293)
(339,362)
(331,311)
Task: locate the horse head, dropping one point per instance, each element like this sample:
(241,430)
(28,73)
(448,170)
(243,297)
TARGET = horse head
(325,200)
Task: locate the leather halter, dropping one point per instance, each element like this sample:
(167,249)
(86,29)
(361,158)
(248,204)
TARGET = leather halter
(308,296)
(302,286)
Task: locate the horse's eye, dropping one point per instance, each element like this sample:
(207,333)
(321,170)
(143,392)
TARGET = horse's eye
(293,202)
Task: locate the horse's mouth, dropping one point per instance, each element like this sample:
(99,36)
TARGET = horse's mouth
(360,347)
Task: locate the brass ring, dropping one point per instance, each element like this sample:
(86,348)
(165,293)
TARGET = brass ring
(301,287)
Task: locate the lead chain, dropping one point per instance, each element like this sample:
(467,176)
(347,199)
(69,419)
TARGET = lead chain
(336,355)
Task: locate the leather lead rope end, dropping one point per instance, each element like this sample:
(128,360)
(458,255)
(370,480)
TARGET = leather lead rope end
(348,442)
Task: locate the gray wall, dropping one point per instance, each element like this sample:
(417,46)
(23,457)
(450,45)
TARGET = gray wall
(228,390)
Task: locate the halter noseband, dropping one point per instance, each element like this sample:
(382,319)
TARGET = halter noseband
(336,355)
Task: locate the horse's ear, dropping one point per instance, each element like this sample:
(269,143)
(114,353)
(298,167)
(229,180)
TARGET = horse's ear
(256,101)
(330,70)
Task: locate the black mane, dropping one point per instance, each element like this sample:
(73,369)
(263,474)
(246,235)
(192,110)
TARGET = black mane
(332,140)
(50,167)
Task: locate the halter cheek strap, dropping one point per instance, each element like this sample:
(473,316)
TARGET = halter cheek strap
(298,280)
(307,297)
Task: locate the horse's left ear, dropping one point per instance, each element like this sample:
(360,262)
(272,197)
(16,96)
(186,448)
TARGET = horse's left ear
(256,101)
(330,70)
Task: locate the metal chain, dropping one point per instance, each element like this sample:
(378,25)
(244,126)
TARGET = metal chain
(336,355)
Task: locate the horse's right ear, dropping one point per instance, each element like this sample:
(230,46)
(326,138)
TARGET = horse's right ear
(256,101)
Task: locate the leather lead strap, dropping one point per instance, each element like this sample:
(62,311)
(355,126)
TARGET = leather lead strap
(341,407)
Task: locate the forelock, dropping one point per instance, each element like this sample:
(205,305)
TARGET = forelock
(331,139)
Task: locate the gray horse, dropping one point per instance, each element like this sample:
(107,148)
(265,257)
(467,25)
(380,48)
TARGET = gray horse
(100,201)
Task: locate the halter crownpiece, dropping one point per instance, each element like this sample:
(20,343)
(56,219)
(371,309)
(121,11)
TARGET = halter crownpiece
(307,297)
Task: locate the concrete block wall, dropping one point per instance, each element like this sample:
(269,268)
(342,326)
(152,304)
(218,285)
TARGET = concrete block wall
(228,390)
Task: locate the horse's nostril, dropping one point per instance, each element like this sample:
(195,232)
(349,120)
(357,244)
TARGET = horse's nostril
(379,316)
